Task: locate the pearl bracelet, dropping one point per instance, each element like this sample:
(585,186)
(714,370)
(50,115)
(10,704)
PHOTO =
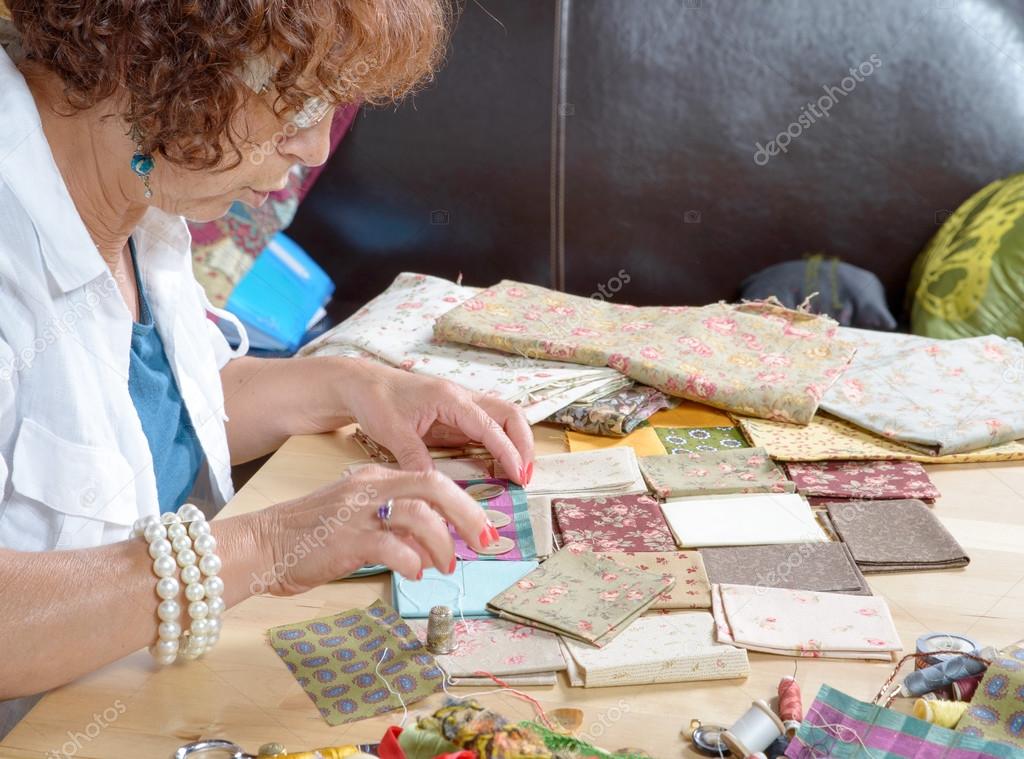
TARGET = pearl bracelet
(183,540)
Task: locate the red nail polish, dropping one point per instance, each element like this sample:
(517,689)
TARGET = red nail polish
(420,575)
(485,537)
(451,567)
(494,531)
(529,473)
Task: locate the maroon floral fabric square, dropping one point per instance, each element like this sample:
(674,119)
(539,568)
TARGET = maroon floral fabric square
(613,523)
(862,480)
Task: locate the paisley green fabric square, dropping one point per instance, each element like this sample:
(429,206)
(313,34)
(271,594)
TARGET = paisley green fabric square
(336,661)
(996,712)
(700,439)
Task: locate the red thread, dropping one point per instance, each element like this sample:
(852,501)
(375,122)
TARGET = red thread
(790,701)
(964,688)
(525,696)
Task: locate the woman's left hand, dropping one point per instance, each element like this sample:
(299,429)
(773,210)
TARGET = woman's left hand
(406,412)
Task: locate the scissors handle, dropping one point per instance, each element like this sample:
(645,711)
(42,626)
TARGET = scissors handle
(335,752)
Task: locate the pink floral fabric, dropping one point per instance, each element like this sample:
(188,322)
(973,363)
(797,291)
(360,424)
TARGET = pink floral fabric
(862,480)
(497,646)
(579,594)
(804,622)
(758,359)
(613,523)
(682,574)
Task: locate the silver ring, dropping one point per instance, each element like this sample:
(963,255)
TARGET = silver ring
(384,513)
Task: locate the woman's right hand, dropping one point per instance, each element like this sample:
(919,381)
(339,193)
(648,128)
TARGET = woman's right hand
(335,530)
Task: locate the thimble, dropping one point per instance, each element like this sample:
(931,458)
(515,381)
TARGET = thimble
(440,631)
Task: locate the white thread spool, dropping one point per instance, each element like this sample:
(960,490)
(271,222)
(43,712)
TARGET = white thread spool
(754,731)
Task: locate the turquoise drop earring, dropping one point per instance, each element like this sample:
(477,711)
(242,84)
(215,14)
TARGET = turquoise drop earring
(142,164)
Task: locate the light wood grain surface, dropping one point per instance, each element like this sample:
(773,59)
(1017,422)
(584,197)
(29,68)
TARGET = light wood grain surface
(243,692)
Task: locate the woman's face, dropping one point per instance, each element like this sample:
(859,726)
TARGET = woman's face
(270,145)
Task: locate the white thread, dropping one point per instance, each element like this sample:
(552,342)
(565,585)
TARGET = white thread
(405,709)
(826,726)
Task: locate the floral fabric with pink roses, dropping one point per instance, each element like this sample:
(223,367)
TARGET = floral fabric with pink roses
(862,480)
(939,396)
(746,470)
(497,646)
(396,328)
(804,623)
(758,359)
(613,523)
(580,594)
(682,573)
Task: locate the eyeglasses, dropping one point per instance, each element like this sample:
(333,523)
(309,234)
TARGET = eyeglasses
(257,76)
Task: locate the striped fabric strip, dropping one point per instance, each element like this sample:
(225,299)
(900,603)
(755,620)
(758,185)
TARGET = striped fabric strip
(842,727)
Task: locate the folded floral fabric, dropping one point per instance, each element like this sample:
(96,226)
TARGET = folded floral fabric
(996,712)
(862,480)
(804,623)
(396,328)
(682,573)
(747,470)
(842,727)
(579,594)
(602,472)
(739,520)
(827,438)
(822,567)
(941,396)
(538,679)
(466,592)
(613,523)
(663,648)
(895,536)
(758,359)
(700,439)
(336,661)
(497,646)
(511,502)
(617,414)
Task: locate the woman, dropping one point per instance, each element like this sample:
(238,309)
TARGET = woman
(119,398)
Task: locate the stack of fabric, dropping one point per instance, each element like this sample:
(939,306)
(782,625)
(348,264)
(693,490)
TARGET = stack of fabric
(396,328)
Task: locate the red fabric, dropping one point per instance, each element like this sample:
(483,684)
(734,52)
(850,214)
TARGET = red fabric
(389,748)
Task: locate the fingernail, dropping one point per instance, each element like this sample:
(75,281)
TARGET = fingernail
(494,531)
(529,472)
(485,537)
(522,475)
(451,567)
(420,575)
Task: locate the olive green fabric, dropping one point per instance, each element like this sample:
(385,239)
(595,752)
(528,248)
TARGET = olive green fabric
(969,281)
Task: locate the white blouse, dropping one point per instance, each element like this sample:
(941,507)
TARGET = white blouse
(75,466)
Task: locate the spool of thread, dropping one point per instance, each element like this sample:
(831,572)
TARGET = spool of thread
(758,755)
(441,630)
(941,713)
(944,673)
(963,689)
(777,748)
(791,708)
(938,647)
(754,731)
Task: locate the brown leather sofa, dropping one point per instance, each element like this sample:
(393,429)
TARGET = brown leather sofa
(679,144)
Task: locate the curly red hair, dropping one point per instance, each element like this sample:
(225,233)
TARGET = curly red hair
(176,66)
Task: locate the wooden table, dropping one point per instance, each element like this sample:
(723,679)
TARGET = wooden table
(243,692)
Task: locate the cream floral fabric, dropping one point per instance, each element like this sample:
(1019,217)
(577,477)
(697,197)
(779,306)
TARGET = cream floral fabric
(804,623)
(662,648)
(746,470)
(827,438)
(758,359)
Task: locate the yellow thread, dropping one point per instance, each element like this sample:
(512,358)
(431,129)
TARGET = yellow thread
(938,712)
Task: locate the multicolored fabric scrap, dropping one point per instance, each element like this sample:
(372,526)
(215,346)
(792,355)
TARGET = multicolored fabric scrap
(842,727)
